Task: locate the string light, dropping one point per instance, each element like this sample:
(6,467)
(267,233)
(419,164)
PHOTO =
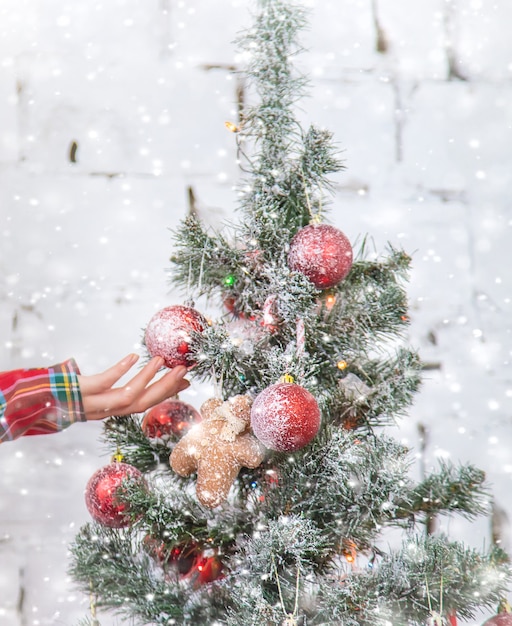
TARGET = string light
(349,551)
(229,280)
(232,127)
(342,365)
(330,301)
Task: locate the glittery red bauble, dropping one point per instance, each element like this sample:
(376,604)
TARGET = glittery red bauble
(169,334)
(322,253)
(205,570)
(101,494)
(502,619)
(285,417)
(170,417)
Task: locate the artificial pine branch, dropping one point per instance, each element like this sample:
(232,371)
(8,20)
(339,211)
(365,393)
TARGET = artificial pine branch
(201,260)
(453,489)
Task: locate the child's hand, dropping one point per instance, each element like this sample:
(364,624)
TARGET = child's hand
(101,400)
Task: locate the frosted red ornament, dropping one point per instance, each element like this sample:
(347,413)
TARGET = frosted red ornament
(285,417)
(322,253)
(169,334)
(101,494)
(170,417)
(501,619)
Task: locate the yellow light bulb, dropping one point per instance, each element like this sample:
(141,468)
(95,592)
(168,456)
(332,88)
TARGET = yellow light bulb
(232,127)
(330,301)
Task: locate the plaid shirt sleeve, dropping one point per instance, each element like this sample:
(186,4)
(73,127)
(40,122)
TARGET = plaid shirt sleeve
(39,401)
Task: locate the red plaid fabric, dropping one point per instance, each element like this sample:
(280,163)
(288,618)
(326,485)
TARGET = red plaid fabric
(39,401)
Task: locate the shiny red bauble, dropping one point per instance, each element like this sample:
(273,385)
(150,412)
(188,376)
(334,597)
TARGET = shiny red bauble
(205,569)
(322,253)
(101,494)
(285,417)
(501,619)
(170,417)
(188,561)
(169,334)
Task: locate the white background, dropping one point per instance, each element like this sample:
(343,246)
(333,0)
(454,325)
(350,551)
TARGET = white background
(84,246)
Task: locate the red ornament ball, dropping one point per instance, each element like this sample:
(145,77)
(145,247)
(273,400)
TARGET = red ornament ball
(169,334)
(285,417)
(170,417)
(501,619)
(205,569)
(322,253)
(182,557)
(101,494)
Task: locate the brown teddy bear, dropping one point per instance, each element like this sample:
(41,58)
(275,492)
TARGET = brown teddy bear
(217,448)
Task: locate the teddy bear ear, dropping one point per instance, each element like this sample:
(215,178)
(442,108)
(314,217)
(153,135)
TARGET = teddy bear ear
(241,406)
(208,407)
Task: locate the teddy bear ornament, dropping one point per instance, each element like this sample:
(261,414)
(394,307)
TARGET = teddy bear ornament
(217,448)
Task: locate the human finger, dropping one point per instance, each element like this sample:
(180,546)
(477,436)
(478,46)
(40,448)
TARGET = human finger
(167,386)
(105,380)
(134,398)
(141,380)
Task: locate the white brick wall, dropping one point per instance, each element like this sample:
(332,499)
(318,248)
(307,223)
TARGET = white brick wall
(84,246)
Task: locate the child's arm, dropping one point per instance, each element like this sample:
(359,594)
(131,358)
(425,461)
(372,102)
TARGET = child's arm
(47,400)
(40,400)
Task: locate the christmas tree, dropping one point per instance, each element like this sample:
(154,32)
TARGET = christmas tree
(285,500)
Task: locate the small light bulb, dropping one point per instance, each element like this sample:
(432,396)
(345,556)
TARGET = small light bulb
(330,301)
(232,127)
